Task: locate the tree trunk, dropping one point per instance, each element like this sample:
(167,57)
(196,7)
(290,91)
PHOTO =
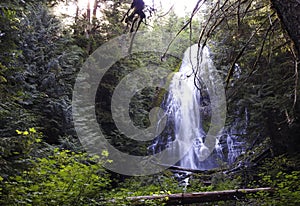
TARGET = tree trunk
(77,12)
(76,30)
(88,11)
(95,9)
(200,197)
(289,13)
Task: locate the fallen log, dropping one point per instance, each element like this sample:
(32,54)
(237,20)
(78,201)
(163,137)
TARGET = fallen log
(184,169)
(195,171)
(199,197)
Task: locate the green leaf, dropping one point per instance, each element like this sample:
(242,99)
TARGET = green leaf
(3,79)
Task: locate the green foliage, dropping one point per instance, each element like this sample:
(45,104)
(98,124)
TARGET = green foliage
(63,178)
(90,33)
(1,179)
(36,85)
(34,173)
(16,151)
(9,38)
(111,22)
(286,186)
(8,33)
(197,185)
(50,60)
(224,182)
(149,185)
(281,173)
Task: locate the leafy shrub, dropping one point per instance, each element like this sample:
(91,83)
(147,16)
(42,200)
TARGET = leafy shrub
(63,178)
(17,151)
(282,174)
(287,189)
(159,184)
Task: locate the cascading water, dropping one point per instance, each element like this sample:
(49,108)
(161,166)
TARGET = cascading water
(232,134)
(186,107)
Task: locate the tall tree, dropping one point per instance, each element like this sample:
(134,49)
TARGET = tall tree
(50,61)
(289,13)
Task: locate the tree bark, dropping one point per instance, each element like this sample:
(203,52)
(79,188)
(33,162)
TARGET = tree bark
(76,31)
(289,13)
(200,197)
(95,9)
(88,11)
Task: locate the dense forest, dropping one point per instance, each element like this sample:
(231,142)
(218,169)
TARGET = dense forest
(254,46)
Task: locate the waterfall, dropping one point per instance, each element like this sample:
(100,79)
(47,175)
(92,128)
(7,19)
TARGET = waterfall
(186,106)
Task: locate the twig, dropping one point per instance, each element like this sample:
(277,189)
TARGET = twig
(182,28)
(296,79)
(160,16)
(230,73)
(261,48)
